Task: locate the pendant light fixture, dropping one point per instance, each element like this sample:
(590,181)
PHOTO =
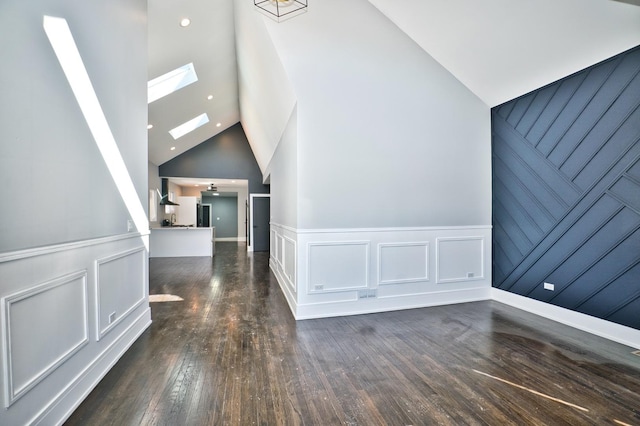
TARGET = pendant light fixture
(281,9)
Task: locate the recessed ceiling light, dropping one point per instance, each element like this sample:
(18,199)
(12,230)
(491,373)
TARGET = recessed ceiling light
(173,148)
(218,124)
(215,194)
(210,97)
(233,181)
(197,184)
(184,22)
(149,126)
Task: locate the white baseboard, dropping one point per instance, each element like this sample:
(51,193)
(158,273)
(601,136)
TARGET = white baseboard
(607,329)
(355,307)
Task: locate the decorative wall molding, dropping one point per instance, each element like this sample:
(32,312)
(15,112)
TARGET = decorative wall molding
(389,229)
(42,386)
(462,260)
(289,262)
(273,240)
(337,266)
(280,250)
(27,326)
(102,330)
(40,251)
(405,265)
(62,405)
(352,278)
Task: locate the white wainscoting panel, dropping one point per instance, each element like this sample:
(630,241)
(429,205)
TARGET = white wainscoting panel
(272,243)
(338,273)
(403,262)
(460,259)
(42,328)
(280,250)
(50,297)
(289,262)
(121,288)
(338,266)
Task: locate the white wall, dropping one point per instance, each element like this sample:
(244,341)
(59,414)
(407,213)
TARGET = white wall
(283,172)
(381,181)
(47,153)
(502,49)
(266,97)
(74,290)
(377,114)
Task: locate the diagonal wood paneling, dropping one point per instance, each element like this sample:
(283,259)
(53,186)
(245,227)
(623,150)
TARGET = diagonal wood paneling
(566,191)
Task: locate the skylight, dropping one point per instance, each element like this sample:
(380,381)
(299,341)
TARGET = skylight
(168,83)
(189,126)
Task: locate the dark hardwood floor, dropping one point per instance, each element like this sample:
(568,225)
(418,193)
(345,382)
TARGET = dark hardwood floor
(231,354)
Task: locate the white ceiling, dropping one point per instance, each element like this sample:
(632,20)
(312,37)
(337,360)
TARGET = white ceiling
(210,44)
(499,49)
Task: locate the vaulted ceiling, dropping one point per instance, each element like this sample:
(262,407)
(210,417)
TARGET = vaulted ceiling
(499,49)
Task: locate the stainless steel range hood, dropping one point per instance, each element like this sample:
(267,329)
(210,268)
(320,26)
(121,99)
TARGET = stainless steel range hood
(164,201)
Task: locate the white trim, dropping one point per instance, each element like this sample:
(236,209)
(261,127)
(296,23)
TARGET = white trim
(378,230)
(285,227)
(12,394)
(100,333)
(365,243)
(39,251)
(460,279)
(603,328)
(99,367)
(356,307)
(251,197)
(424,244)
(290,279)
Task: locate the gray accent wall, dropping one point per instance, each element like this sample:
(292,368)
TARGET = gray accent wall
(224,215)
(224,156)
(566,192)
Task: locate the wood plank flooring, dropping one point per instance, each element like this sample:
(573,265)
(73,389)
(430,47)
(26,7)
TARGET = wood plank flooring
(231,354)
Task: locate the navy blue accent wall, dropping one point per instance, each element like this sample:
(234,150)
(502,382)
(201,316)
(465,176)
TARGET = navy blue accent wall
(566,192)
(227,155)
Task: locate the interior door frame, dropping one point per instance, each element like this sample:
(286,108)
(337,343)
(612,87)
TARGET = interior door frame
(251,233)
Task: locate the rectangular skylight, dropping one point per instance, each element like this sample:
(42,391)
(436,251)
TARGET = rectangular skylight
(189,126)
(168,83)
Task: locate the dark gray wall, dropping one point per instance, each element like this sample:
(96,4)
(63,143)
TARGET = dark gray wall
(227,155)
(566,192)
(225,208)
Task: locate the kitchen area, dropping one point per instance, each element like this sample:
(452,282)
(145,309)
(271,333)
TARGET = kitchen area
(179,230)
(187,216)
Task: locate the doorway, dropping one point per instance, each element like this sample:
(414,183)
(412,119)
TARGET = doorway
(206,215)
(259,218)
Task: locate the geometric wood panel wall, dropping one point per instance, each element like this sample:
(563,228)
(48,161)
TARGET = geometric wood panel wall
(566,192)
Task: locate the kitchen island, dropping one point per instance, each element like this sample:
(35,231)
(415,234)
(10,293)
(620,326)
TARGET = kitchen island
(181,241)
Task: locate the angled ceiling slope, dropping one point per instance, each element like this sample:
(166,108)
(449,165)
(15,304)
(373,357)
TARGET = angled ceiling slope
(209,43)
(502,49)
